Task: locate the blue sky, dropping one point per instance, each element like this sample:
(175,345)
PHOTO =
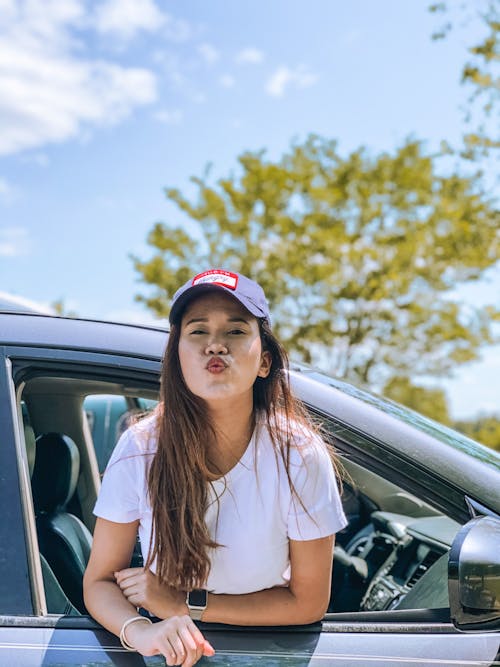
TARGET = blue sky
(103,104)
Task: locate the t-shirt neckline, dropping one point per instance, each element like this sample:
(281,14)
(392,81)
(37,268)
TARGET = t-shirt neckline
(245,463)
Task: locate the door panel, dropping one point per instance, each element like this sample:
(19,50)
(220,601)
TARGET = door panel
(51,647)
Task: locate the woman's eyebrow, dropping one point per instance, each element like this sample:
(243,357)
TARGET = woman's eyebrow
(196,319)
(238,319)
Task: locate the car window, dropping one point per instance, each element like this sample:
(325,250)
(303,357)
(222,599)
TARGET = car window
(71,425)
(108,416)
(393,543)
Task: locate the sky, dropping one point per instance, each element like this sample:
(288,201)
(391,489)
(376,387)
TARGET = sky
(105,103)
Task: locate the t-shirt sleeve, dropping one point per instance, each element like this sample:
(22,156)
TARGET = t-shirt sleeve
(119,499)
(320,513)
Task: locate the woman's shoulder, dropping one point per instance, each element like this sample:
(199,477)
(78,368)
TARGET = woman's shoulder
(300,436)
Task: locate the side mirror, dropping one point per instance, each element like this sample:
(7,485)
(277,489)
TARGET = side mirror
(474,575)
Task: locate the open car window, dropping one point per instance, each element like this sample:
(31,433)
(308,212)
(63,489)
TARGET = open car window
(108,416)
(392,556)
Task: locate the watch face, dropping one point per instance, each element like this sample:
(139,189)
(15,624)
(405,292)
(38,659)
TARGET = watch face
(197,598)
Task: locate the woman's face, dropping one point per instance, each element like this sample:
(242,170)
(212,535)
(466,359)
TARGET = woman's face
(220,350)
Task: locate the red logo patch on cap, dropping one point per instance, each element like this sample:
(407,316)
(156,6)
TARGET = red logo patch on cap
(217,277)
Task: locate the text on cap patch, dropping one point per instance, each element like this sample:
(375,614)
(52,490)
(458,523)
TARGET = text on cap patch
(217,277)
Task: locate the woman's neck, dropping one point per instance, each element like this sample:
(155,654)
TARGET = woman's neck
(234,427)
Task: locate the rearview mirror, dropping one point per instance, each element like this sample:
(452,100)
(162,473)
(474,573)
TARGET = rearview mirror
(474,575)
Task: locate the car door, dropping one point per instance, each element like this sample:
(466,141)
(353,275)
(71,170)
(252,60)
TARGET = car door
(31,636)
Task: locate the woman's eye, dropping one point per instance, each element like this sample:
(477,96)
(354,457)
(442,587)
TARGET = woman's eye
(236,332)
(196,332)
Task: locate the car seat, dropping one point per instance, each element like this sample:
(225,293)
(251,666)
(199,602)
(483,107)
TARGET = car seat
(63,538)
(56,599)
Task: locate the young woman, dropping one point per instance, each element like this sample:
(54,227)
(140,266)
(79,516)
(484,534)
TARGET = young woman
(231,490)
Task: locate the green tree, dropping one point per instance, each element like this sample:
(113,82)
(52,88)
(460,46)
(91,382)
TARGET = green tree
(356,254)
(481,71)
(428,401)
(484,429)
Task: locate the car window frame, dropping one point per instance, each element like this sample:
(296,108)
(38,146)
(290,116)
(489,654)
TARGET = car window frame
(19,590)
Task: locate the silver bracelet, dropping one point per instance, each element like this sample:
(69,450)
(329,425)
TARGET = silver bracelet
(123,639)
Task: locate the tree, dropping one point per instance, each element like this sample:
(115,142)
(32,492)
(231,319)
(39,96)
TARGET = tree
(429,401)
(484,429)
(481,71)
(356,254)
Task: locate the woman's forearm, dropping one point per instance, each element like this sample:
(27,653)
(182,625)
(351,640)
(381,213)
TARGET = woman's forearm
(107,604)
(273,606)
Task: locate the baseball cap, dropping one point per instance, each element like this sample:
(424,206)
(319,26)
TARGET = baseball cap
(246,291)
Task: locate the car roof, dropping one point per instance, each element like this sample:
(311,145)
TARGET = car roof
(82,334)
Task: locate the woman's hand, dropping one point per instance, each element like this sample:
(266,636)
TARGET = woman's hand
(142,588)
(177,639)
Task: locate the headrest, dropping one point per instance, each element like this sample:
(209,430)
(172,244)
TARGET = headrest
(57,465)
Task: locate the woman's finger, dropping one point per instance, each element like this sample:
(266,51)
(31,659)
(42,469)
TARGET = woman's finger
(127,571)
(206,646)
(200,640)
(194,644)
(182,652)
(169,654)
(129,576)
(130,589)
(208,649)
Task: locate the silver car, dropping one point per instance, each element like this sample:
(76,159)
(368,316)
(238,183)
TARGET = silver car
(416,572)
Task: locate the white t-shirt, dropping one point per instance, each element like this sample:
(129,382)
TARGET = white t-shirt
(257,513)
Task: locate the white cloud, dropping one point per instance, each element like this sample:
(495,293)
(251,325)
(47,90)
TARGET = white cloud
(227,81)
(173,117)
(49,92)
(11,301)
(125,18)
(209,53)
(14,241)
(285,77)
(251,56)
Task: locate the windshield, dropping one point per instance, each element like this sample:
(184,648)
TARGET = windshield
(418,421)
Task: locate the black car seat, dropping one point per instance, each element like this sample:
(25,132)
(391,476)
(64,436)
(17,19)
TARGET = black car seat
(64,540)
(57,602)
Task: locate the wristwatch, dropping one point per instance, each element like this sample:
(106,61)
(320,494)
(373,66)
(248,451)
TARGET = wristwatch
(196,601)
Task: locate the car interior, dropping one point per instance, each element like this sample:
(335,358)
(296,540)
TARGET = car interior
(392,556)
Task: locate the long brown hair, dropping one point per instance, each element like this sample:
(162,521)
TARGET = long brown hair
(179,473)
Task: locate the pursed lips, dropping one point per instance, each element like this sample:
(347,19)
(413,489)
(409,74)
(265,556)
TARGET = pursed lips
(216,365)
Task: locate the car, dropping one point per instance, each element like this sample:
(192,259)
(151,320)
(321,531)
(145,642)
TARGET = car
(416,576)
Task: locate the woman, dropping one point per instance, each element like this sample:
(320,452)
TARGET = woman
(231,490)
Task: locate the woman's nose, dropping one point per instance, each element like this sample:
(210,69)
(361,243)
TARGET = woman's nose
(216,347)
